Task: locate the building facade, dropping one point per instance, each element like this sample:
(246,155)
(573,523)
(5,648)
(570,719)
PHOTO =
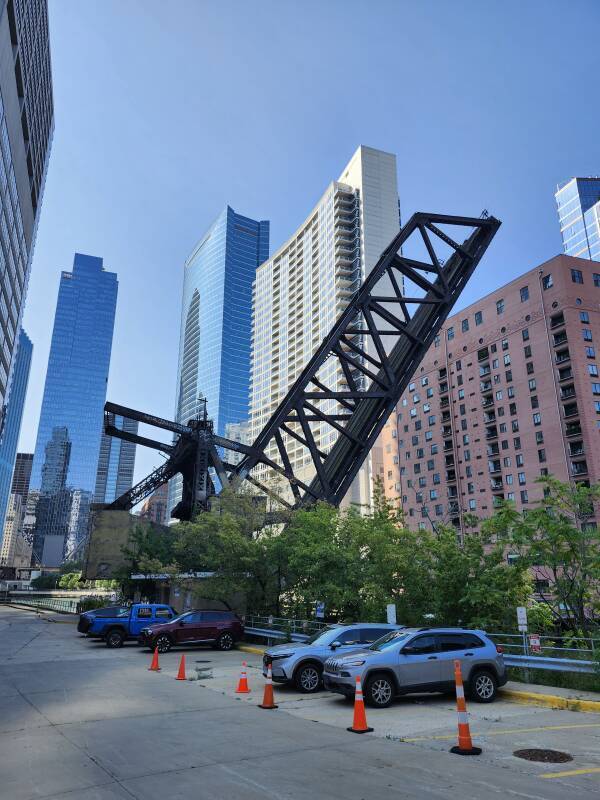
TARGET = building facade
(302,289)
(26,126)
(214,347)
(154,507)
(74,397)
(116,463)
(16,548)
(510,391)
(578,204)
(9,438)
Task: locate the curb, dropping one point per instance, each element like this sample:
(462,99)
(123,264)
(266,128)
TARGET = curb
(259,651)
(551,701)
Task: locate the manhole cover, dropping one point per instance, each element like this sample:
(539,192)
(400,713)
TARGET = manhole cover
(545,756)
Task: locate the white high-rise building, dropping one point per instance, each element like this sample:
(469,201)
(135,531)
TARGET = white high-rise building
(301,290)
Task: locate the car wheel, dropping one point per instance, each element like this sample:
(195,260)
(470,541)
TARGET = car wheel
(483,686)
(308,678)
(115,638)
(163,643)
(379,691)
(225,641)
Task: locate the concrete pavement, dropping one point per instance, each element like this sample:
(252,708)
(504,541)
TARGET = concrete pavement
(80,721)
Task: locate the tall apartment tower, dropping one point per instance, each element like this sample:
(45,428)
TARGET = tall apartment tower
(26,126)
(509,391)
(9,438)
(15,549)
(75,388)
(578,204)
(216,313)
(116,463)
(302,289)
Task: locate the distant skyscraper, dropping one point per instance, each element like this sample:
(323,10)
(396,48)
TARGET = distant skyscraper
(12,424)
(22,474)
(116,463)
(578,202)
(214,346)
(54,504)
(15,550)
(75,388)
(303,288)
(155,507)
(26,125)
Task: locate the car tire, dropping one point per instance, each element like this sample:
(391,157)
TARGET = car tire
(483,686)
(380,691)
(162,643)
(225,641)
(114,638)
(307,678)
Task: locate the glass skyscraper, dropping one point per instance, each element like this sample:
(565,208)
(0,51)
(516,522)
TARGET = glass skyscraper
(116,463)
(12,423)
(26,125)
(74,396)
(578,203)
(216,317)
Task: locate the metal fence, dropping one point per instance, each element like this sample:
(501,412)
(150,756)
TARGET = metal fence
(64,605)
(280,629)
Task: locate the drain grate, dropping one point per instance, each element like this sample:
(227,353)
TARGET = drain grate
(545,756)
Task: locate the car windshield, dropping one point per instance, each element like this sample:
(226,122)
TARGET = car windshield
(390,639)
(180,617)
(322,637)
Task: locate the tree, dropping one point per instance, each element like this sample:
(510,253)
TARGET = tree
(562,546)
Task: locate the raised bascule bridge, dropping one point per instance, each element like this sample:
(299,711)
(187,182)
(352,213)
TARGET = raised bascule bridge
(377,344)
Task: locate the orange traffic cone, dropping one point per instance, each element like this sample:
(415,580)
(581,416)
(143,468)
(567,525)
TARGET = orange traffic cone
(154,665)
(359,724)
(465,745)
(242,687)
(268,699)
(181,673)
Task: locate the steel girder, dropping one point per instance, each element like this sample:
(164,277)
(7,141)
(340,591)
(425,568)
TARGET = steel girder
(376,345)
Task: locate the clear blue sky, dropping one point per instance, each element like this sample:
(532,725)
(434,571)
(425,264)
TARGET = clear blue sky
(167,111)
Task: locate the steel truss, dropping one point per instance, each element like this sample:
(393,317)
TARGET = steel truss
(375,348)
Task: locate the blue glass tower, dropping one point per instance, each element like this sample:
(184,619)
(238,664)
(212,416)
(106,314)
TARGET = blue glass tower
(216,317)
(578,203)
(76,379)
(12,423)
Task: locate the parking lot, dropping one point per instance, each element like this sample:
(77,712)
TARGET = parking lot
(81,721)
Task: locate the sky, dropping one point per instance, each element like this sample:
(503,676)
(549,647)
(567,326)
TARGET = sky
(165,112)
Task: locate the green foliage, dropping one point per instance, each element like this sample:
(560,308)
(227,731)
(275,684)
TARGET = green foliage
(70,580)
(44,582)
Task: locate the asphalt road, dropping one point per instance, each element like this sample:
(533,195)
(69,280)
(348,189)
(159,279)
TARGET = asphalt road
(81,722)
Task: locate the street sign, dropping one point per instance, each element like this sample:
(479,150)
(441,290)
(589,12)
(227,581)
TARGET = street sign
(320,609)
(535,644)
(522,618)
(391,613)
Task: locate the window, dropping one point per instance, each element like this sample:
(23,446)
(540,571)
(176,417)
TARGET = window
(499,394)
(595,388)
(507,360)
(504,444)
(439,510)
(469,472)
(461,394)
(507,462)
(471,488)
(587,334)
(535,403)
(463,424)
(524,496)
(422,644)
(577,276)
(428,436)
(519,460)
(417,469)
(524,292)
(596,277)
(430,392)
(479,314)
(509,496)
(522,480)
(424,381)
(467,455)
(458,364)
(431,420)
(505,344)
(464,325)
(430,464)
(434,449)
(499,306)
(502,426)
(509,479)
(584,316)
(537,419)
(472,505)
(450,333)
(422,483)
(508,375)
(590,352)
(515,425)
(436,478)
(529,368)
(525,334)
(351,636)
(541,456)
(144,612)
(495,364)
(511,391)
(527,351)
(593,370)
(597,407)
(163,612)
(539,437)
(517,445)
(532,384)
(433,494)
(462,409)
(547,282)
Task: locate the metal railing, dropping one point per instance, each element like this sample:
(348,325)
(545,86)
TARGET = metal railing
(64,605)
(280,629)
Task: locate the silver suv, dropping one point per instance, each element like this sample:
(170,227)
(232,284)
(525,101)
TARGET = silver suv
(419,660)
(302,662)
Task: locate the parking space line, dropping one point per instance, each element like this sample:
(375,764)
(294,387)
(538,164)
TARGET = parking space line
(567,773)
(482,734)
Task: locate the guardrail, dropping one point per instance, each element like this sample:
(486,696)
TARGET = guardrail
(64,605)
(557,664)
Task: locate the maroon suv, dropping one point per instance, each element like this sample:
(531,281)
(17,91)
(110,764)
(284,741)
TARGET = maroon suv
(222,629)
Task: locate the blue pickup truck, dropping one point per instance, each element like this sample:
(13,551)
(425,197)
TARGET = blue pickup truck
(117,624)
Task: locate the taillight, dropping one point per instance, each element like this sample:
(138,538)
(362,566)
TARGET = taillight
(499,648)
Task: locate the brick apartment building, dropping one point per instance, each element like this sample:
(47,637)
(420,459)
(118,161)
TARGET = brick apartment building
(509,391)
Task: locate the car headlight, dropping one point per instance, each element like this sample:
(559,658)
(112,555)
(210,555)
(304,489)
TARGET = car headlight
(279,656)
(353,663)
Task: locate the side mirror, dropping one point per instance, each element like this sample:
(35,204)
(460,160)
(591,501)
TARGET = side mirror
(408,651)
(335,644)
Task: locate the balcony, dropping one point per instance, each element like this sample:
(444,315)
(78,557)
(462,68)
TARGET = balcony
(483,371)
(576,449)
(448,447)
(449,461)
(444,387)
(447,431)
(452,493)
(494,467)
(445,417)
(565,374)
(567,392)
(562,356)
(442,373)
(444,402)
(497,500)
(453,509)
(491,432)
(493,450)
(496,485)
(450,476)
(557,320)
(579,468)
(489,417)
(573,429)
(485,386)
(559,338)
(483,354)
(571,410)
(487,402)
